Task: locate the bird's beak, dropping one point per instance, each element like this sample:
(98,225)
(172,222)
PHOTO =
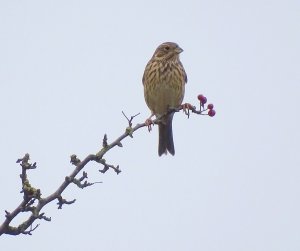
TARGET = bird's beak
(178,50)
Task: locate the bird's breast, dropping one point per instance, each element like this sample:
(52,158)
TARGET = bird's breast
(164,88)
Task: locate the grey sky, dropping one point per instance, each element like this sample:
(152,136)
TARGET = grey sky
(68,69)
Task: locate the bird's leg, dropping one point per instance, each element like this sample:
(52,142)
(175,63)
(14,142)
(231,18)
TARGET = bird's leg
(149,122)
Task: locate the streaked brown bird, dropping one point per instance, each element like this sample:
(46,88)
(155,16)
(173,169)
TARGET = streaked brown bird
(164,83)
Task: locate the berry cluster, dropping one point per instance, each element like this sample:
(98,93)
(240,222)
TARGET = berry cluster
(210,107)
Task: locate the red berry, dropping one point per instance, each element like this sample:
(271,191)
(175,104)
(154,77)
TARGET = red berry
(200,96)
(210,106)
(211,113)
(202,99)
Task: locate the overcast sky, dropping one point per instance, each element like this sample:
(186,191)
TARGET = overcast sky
(68,69)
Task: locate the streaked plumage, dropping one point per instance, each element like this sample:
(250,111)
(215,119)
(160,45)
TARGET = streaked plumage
(164,83)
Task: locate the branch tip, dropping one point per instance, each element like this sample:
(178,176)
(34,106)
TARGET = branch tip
(74,160)
(104,141)
(131,118)
(62,201)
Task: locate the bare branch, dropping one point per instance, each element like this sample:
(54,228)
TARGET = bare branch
(33,202)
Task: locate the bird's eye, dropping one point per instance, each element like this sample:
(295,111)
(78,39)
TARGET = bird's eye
(167,48)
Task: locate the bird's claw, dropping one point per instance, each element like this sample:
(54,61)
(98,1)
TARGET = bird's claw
(186,108)
(149,124)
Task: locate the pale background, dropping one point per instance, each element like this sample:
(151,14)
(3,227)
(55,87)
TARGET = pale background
(68,69)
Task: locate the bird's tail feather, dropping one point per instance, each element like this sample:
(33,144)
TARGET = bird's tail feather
(166,143)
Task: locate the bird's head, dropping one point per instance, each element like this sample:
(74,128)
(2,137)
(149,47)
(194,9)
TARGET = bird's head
(167,51)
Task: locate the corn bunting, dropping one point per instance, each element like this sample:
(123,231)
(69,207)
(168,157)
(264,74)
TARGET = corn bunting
(164,82)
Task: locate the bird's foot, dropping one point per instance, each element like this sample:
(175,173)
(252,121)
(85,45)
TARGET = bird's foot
(149,123)
(187,107)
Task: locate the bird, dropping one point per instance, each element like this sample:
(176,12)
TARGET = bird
(164,82)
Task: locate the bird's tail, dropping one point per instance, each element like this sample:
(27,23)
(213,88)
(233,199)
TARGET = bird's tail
(166,143)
